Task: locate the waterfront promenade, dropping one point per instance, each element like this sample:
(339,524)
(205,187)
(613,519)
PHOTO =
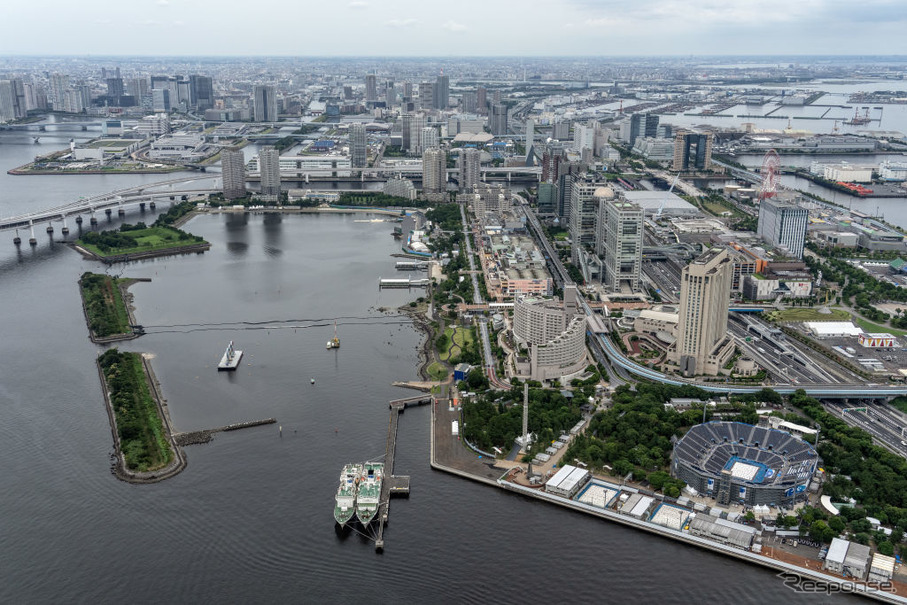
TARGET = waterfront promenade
(449,454)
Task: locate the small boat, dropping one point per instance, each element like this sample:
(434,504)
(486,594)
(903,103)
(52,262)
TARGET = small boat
(334,343)
(313,381)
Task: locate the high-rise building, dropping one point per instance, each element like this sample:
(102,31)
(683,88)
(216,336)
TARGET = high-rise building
(233,167)
(138,88)
(561,130)
(783,224)
(442,89)
(619,242)
(400,188)
(692,151)
(470,169)
(469,102)
(358,146)
(554,334)
(482,100)
(59,84)
(416,124)
(434,175)
(428,138)
(371,88)
(202,92)
(406,131)
(497,120)
(7,101)
(160,100)
(547,202)
(643,125)
(703,344)
(584,137)
(269,168)
(530,142)
(347,93)
(265,103)
(390,94)
(426,96)
(583,210)
(407,91)
(115,88)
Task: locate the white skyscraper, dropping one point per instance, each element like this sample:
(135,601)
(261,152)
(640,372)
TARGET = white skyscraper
(619,242)
(429,138)
(783,224)
(233,167)
(269,168)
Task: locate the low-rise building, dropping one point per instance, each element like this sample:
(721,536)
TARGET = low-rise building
(568,481)
(881,569)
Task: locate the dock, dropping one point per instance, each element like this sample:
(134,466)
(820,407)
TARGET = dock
(393,485)
(402,283)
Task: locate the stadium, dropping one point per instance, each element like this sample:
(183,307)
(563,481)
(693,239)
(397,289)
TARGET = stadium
(738,462)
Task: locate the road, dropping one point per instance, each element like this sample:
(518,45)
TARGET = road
(487,354)
(884,423)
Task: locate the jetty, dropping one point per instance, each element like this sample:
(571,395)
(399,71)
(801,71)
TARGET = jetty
(393,485)
(402,283)
(206,435)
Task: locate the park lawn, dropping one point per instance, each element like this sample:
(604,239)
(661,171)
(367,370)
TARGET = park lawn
(460,339)
(809,314)
(150,239)
(719,209)
(437,371)
(875,328)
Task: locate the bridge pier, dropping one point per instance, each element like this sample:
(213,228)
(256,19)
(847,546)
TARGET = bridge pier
(152,205)
(65,229)
(142,206)
(93,220)
(50,228)
(17,240)
(121,211)
(79,220)
(108,212)
(32,241)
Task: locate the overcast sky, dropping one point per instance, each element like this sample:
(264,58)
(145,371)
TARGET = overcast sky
(453,27)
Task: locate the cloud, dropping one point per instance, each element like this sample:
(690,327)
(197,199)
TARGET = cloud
(401,22)
(357,4)
(163,2)
(453,26)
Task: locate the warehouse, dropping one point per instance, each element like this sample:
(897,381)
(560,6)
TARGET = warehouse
(724,531)
(567,481)
(882,568)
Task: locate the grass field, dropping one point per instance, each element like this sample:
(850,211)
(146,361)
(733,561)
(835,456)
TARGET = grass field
(808,314)
(437,371)
(875,328)
(459,339)
(718,209)
(147,240)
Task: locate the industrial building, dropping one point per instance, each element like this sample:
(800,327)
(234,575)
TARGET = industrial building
(738,462)
(723,531)
(568,481)
(847,558)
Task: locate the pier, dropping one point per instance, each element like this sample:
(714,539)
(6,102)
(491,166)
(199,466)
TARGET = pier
(199,437)
(402,283)
(393,485)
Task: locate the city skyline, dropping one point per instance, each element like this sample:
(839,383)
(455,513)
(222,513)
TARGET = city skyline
(579,28)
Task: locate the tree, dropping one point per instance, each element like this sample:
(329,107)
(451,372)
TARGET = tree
(886,548)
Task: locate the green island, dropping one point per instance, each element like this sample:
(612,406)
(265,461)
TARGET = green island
(140,239)
(139,426)
(105,308)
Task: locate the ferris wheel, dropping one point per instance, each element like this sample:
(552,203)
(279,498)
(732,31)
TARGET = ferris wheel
(771,164)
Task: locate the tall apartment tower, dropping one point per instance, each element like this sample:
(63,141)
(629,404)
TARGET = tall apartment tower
(470,169)
(619,242)
(233,167)
(530,142)
(269,167)
(358,146)
(434,174)
(59,84)
(482,100)
(371,88)
(703,345)
(783,224)
(390,94)
(428,138)
(442,92)
(426,96)
(497,120)
(265,103)
(416,124)
(584,200)
(692,151)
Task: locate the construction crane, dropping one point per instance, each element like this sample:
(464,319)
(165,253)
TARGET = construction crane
(665,200)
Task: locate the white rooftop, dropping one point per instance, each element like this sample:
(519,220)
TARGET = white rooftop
(883,562)
(829,328)
(837,551)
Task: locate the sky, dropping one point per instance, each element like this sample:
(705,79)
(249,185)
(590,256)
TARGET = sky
(454,27)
